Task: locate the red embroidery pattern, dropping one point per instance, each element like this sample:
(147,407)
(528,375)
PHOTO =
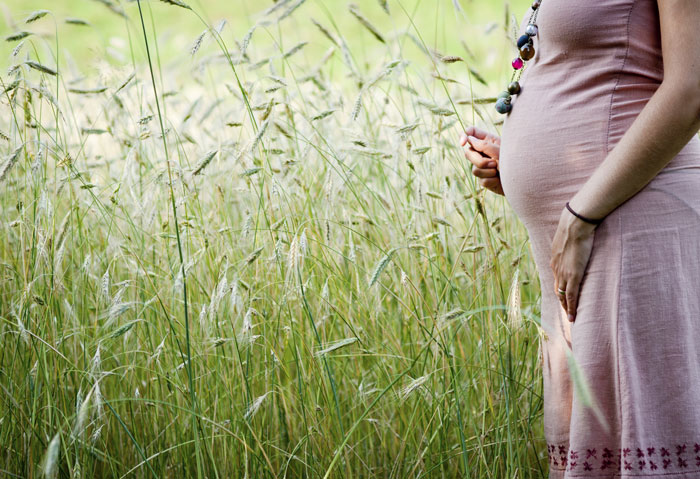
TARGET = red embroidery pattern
(676,458)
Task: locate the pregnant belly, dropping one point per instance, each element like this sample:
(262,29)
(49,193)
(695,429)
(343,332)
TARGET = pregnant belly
(543,165)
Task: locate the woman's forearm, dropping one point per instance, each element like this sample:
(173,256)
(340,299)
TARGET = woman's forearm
(665,125)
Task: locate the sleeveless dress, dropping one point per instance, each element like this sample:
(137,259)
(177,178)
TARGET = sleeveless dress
(636,338)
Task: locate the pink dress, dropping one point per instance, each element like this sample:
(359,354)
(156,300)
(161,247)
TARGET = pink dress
(637,333)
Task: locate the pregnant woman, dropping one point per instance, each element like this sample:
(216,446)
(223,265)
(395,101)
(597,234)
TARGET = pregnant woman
(600,160)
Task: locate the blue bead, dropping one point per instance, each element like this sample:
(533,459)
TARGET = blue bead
(503,106)
(523,40)
(504,94)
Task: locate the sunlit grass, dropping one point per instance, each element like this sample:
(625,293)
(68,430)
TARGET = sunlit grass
(336,298)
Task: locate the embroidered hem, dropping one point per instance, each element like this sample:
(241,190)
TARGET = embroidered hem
(677,458)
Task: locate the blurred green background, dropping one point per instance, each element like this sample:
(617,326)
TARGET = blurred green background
(442,24)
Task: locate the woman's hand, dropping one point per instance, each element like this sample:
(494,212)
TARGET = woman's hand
(482,149)
(571,250)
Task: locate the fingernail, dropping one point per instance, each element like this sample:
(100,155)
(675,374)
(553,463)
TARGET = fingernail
(471,138)
(571,318)
(491,164)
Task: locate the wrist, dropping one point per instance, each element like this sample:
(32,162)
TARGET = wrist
(581,212)
(575,224)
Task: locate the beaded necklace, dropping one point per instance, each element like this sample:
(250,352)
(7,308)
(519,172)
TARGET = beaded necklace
(527,51)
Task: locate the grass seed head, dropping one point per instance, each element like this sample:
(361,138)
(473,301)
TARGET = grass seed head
(197,43)
(451,59)
(104,286)
(414,385)
(113,8)
(15,37)
(356,109)
(515,318)
(290,10)
(355,10)
(381,265)
(76,21)
(326,33)
(255,405)
(50,464)
(42,68)
(34,16)
(335,345)
(10,162)
(279,4)
(82,414)
(16,50)
(177,3)
(204,162)
(296,48)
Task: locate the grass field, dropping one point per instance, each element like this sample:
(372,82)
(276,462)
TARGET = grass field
(254,248)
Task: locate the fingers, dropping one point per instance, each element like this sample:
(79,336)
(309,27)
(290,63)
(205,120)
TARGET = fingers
(569,301)
(572,290)
(479,160)
(493,184)
(476,132)
(479,134)
(560,285)
(484,172)
(486,146)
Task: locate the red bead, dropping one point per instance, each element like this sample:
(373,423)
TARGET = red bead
(517,63)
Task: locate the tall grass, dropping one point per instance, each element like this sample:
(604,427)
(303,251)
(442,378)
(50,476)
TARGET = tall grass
(258,260)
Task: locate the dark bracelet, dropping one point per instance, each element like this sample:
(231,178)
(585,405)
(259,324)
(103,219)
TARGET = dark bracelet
(587,220)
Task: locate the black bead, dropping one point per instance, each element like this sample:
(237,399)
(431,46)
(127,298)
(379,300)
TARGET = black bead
(524,40)
(514,88)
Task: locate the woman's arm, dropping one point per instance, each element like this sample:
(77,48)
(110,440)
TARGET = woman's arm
(665,125)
